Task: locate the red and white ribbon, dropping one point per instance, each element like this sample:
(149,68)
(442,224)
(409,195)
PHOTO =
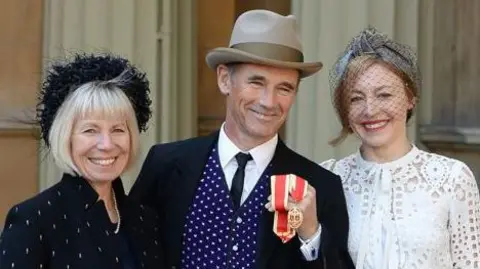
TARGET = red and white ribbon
(282,186)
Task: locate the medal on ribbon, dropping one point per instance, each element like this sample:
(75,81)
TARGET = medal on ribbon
(286,222)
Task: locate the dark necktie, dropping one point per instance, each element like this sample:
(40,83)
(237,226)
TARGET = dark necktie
(238,179)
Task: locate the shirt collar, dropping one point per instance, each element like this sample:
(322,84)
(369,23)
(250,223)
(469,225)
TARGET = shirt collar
(402,161)
(82,192)
(261,154)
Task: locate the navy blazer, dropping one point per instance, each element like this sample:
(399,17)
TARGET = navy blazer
(172,171)
(67,227)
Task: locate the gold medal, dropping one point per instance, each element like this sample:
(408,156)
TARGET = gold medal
(295,218)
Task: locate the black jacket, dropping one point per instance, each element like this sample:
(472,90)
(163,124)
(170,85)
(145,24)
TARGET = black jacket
(169,178)
(66,227)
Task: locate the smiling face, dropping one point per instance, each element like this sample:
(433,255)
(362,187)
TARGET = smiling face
(377,107)
(95,133)
(100,147)
(258,99)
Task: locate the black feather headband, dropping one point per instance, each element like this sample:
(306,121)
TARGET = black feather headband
(62,78)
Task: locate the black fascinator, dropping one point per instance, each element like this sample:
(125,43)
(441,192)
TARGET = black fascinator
(64,77)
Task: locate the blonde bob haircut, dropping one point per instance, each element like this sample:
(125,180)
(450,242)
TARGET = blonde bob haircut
(92,97)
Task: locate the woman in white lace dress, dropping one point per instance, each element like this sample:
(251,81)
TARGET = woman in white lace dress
(408,208)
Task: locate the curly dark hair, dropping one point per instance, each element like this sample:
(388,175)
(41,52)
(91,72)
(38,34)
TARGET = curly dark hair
(64,77)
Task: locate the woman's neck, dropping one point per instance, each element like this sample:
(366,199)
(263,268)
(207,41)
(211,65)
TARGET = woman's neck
(105,193)
(386,153)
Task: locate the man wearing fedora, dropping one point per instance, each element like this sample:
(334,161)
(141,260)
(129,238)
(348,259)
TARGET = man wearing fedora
(212,193)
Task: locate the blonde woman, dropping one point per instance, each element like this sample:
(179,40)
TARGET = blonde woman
(90,112)
(407,208)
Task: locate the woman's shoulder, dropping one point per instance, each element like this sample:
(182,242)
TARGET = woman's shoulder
(42,201)
(333,164)
(340,167)
(36,209)
(432,162)
(25,229)
(328,164)
(441,168)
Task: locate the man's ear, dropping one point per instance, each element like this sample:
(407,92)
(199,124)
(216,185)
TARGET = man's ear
(223,79)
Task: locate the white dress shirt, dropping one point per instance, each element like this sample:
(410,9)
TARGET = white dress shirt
(261,157)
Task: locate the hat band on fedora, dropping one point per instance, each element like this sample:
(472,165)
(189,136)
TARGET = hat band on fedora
(271,51)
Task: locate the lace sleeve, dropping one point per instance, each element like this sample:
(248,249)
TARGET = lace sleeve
(465,219)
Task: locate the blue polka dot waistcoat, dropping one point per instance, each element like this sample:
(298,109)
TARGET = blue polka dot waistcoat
(216,235)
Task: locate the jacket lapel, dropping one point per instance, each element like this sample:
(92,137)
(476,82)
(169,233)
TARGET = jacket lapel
(90,215)
(268,240)
(185,176)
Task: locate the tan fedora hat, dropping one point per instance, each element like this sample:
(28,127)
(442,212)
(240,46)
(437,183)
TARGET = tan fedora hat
(267,38)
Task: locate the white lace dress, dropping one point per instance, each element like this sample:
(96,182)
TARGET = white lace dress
(420,211)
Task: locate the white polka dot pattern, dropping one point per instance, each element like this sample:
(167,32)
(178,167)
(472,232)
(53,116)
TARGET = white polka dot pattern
(215,235)
(54,230)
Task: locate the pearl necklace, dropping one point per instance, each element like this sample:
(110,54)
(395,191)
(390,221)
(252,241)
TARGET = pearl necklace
(117,212)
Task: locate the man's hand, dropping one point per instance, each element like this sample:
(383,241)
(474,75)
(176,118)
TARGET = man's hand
(308,206)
